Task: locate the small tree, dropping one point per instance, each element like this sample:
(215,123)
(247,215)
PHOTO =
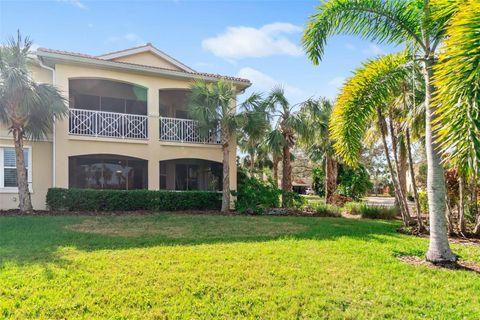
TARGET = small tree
(27,108)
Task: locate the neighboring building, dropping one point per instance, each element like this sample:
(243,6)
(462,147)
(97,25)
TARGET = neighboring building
(127,128)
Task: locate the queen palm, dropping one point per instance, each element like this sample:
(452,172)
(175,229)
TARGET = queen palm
(457,77)
(213,106)
(27,108)
(418,23)
(368,95)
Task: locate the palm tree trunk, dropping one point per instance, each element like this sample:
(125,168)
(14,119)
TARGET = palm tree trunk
(286,176)
(25,202)
(414,183)
(276,160)
(252,163)
(382,125)
(402,200)
(226,170)
(402,166)
(331,170)
(461,203)
(474,199)
(439,248)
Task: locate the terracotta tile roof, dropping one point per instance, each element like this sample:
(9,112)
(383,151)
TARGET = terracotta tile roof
(204,74)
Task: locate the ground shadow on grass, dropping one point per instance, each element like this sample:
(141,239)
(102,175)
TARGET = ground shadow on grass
(30,239)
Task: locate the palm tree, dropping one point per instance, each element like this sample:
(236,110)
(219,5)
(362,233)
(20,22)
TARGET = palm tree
(289,126)
(213,106)
(457,77)
(421,24)
(318,146)
(27,108)
(254,125)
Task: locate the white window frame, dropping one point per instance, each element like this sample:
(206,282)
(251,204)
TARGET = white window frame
(4,189)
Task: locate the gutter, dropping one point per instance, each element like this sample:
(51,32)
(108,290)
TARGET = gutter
(54,153)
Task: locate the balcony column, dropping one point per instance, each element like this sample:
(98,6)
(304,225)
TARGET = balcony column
(233,162)
(153,137)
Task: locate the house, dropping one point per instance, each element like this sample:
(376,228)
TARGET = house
(127,128)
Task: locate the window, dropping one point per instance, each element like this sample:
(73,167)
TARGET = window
(108,172)
(8,167)
(186,177)
(163,175)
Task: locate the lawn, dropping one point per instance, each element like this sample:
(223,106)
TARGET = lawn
(201,267)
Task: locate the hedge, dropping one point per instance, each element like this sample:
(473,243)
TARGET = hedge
(131,200)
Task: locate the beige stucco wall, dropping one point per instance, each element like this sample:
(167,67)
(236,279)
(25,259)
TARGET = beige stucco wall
(152,149)
(148,59)
(67,145)
(41,175)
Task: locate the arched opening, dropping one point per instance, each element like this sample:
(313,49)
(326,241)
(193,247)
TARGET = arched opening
(107,171)
(107,108)
(190,174)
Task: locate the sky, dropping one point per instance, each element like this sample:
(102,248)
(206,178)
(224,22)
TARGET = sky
(257,40)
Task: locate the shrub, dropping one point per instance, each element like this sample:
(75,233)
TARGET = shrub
(256,196)
(371,212)
(423,199)
(131,200)
(353,182)
(326,210)
(318,177)
(294,200)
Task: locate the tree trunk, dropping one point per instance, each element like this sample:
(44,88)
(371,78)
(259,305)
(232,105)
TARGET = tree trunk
(25,202)
(252,164)
(402,200)
(461,202)
(331,171)
(414,183)
(439,248)
(382,125)
(276,160)
(286,176)
(226,170)
(474,199)
(402,167)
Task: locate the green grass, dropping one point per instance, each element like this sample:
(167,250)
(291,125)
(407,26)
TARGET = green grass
(200,267)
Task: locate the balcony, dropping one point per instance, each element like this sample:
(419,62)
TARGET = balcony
(108,124)
(186,131)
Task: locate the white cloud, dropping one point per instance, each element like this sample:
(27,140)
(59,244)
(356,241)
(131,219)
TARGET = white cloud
(262,82)
(76,3)
(244,42)
(337,82)
(374,50)
(127,37)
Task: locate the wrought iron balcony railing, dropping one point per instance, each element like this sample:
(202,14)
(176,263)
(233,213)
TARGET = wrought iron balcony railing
(187,131)
(108,124)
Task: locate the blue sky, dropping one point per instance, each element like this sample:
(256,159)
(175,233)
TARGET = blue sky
(259,40)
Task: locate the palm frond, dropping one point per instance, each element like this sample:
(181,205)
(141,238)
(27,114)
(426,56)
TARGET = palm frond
(392,21)
(373,85)
(457,78)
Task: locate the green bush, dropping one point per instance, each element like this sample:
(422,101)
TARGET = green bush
(131,200)
(353,182)
(371,212)
(294,200)
(423,199)
(256,196)
(326,210)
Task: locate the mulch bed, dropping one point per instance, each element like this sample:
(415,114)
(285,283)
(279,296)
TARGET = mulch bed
(459,265)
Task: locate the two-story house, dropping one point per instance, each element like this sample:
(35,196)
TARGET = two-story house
(127,128)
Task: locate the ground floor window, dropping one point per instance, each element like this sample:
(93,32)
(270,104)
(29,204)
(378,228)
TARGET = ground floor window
(190,174)
(8,167)
(108,172)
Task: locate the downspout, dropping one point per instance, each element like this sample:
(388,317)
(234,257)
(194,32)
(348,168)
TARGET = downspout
(54,176)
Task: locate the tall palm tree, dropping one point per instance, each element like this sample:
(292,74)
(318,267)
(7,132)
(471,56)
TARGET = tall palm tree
(254,125)
(318,145)
(27,108)
(289,126)
(457,77)
(213,106)
(367,95)
(418,23)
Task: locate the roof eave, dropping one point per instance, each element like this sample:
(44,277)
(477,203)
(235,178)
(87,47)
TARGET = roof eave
(112,65)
